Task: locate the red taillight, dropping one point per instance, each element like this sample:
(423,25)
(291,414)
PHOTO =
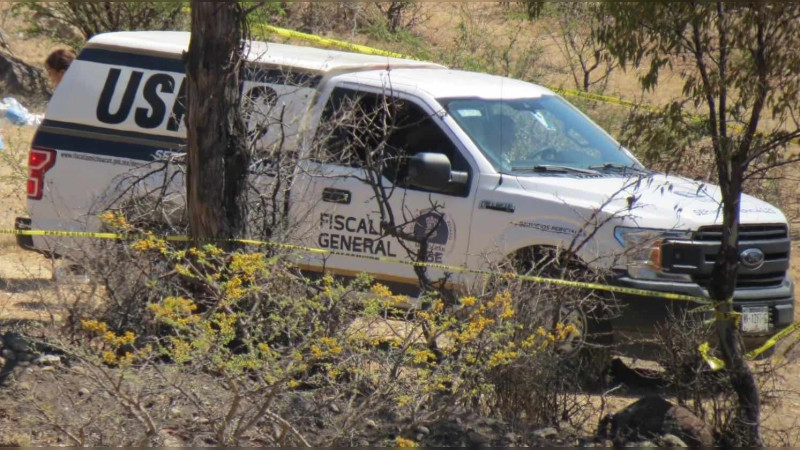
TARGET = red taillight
(40,161)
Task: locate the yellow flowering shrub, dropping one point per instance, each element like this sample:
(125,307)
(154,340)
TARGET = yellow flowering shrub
(178,312)
(115,221)
(251,322)
(112,344)
(401,442)
(326,347)
(249,266)
(150,243)
(387,298)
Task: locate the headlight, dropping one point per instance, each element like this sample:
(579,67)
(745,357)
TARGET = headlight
(642,253)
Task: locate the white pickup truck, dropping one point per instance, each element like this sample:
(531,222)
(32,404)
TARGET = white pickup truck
(527,171)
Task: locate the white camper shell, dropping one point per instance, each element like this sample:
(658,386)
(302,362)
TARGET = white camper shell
(528,172)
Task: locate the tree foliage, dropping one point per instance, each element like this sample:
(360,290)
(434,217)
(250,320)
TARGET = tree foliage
(57,19)
(571,28)
(739,66)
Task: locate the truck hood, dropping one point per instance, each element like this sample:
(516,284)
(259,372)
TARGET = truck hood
(656,200)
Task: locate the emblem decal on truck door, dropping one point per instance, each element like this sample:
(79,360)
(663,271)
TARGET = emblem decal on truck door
(440,232)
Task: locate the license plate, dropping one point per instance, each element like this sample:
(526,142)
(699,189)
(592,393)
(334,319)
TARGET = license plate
(755,320)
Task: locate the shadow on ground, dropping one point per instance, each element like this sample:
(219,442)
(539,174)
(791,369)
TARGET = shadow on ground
(24,285)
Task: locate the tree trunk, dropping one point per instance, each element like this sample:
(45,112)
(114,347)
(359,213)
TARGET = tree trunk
(218,157)
(394,15)
(723,285)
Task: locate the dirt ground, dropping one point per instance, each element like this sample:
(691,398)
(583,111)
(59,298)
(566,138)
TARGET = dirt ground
(28,291)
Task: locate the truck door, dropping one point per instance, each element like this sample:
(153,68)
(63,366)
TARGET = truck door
(355,181)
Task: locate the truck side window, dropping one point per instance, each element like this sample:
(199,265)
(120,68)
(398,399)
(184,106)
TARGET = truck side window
(370,130)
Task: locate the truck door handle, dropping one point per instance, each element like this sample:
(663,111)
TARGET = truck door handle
(331,195)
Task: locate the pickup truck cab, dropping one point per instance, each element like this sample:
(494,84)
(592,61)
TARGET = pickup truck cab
(511,167)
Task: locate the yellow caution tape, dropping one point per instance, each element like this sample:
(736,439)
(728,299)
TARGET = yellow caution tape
(703,309)
(384,259)
(328,42)
(601,98)
(786,349)
(774,340)
(717,364)
(707,305)
(736,316)
(712,361)
(76,234)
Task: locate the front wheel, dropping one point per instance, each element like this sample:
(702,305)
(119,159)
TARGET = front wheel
(579,317)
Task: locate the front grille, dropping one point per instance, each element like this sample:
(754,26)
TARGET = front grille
(767,257)
(747,233)
(773,240)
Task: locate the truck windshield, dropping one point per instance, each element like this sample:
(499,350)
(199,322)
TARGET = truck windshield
(537,134)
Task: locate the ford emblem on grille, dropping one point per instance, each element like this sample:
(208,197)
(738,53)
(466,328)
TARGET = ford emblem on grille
(752,258)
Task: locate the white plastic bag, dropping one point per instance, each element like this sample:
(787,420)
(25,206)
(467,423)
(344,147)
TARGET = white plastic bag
(16,114)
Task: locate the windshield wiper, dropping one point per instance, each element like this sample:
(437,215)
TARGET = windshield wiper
(619,167)
(552,169)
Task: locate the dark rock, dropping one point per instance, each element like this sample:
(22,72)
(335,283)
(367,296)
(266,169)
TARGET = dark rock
(19,77)
(641,420)
(680,422)
(448,432)
(470,430)
(16,343)
(652,417)
(475,439)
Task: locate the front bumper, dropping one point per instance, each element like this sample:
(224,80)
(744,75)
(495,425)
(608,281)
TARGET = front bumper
(642,315)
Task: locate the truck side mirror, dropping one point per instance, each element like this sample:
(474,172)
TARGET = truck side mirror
(433,171)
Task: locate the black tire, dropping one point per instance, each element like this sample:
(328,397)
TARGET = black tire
(588,354)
